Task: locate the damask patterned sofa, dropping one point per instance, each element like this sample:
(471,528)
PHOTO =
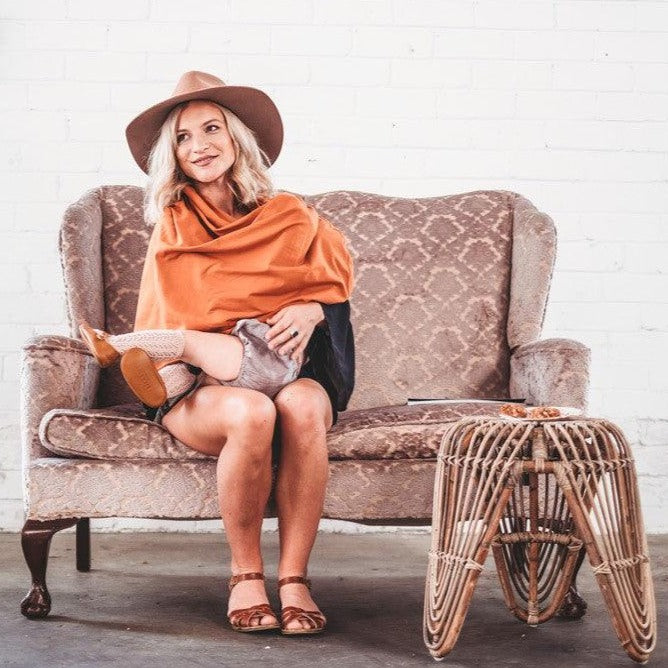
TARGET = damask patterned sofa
(449,302)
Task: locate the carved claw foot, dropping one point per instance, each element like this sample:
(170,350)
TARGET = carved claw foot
(37,602)
(573,606)
(35,541)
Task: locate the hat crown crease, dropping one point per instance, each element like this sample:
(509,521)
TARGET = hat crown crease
(194,81)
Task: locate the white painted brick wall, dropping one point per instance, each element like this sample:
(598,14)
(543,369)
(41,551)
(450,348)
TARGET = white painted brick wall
(565,102)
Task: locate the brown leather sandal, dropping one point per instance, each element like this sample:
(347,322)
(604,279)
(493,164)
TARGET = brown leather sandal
(242,618)
(314,618)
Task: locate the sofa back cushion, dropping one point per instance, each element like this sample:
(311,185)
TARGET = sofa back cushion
(431,296)
(430,305)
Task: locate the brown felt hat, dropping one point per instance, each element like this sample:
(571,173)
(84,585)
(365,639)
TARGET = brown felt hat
(252,106)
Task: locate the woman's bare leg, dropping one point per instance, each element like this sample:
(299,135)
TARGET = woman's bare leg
(305,415)
(236,425)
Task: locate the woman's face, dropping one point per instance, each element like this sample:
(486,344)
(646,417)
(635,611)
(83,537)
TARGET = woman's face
(204,148)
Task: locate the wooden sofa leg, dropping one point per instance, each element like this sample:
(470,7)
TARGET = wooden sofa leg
(35,541)
(83,545)
(574,606)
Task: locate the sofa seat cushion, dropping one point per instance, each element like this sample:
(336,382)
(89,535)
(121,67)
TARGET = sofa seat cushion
(117,432)
(122,432)
(398,432)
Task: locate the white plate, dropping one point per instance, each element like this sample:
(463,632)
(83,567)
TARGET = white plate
(564,412)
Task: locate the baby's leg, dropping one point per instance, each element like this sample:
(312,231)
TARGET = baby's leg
(219,355)
(159,344)
(177,378)
(263,370)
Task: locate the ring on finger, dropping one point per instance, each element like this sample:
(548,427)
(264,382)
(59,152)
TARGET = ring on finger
(294,333)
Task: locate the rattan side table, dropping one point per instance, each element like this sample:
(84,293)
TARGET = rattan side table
(541,494)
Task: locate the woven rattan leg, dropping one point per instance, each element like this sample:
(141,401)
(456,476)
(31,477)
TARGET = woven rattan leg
(608,518)
(475,477)
(536,553)
(559,578)
(574,606)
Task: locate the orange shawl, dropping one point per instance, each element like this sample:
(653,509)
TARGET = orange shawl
(280,253)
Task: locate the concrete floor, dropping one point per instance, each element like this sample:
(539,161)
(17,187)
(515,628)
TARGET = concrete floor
(159,600)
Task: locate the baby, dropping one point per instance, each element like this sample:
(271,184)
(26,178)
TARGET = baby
(252,364)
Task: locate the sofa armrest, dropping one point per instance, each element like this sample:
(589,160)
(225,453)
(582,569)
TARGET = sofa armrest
(57,372)
(533,252)
(552,371)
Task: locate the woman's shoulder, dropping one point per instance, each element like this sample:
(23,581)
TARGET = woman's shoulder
(295,208)
(288,200)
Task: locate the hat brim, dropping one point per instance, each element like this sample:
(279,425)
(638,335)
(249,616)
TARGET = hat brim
(253,107)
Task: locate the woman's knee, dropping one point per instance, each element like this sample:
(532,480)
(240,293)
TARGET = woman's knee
(213,415)
(247,410)
(304,404)
(232,410)
(248,419)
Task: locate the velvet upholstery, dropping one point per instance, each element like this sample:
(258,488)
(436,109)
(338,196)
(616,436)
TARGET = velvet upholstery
(449,301)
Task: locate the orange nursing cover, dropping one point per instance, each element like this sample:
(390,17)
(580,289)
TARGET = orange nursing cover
(205,270)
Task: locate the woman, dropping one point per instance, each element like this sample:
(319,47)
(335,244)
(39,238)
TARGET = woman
(225,247)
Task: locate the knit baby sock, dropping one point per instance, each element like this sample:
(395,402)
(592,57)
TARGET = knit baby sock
(177,378)
(160,344)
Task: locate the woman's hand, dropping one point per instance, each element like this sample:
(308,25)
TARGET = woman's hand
(299,318)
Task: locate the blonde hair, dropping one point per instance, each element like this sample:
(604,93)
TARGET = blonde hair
(248,179)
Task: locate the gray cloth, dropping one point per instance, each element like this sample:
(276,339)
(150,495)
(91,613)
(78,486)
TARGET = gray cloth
(261,369)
